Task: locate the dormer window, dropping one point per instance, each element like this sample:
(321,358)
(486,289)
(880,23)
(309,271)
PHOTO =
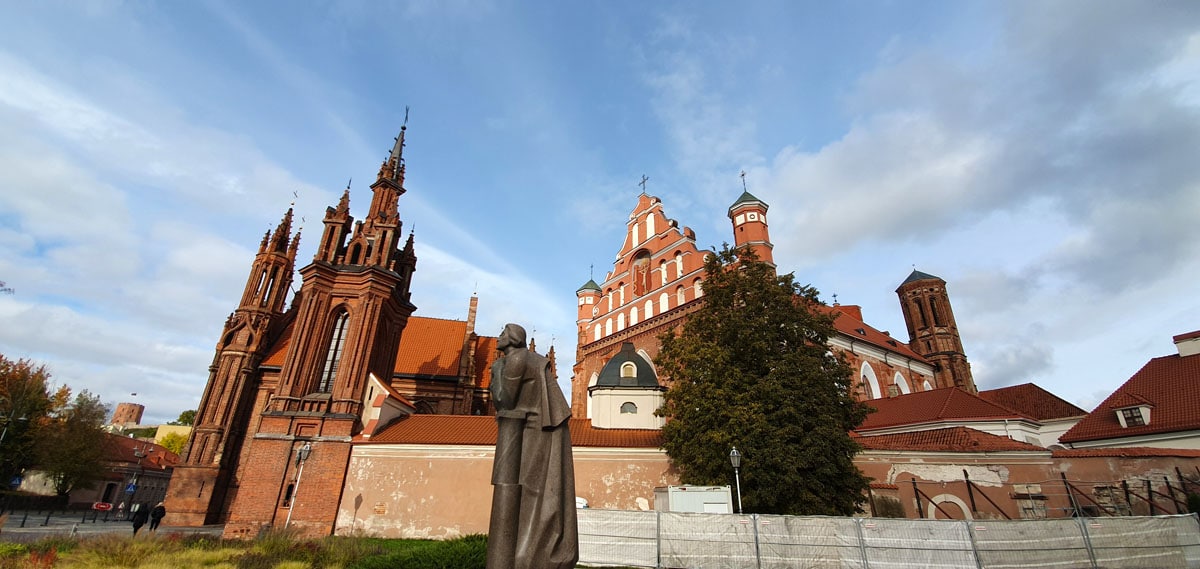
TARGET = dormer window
(628,369)
(1134,416)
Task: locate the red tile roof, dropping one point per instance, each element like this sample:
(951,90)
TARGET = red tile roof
(945,404)
(1032,401)
(481,430)
(849,322)
(485,354)
(1170,384)
(1127,452)
(430,346)
(126,449)
(953,439)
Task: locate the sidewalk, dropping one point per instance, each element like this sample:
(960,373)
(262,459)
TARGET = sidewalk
(74,523)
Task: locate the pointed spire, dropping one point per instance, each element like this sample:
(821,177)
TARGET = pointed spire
(343,205)
(279,241)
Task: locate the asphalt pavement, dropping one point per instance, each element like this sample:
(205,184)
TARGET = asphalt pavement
(22,526)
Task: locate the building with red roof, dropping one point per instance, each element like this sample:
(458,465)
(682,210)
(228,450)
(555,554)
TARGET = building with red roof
(1158,407)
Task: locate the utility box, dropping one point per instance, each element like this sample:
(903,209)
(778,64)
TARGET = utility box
(703,499)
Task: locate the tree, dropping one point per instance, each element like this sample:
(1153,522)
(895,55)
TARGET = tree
(74,444)
(752,369)
(185,418)
(24,404)
(174,442)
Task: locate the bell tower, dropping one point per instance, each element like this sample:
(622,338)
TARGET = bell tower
(749,217)
(202,486)
(349,316)
(932,331)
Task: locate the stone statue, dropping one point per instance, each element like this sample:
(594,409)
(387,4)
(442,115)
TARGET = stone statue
(533,524)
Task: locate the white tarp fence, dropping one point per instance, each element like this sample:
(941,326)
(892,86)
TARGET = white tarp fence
(731,541)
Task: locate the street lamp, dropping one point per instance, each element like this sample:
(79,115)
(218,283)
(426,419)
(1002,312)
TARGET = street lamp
(735,458)
(301,458)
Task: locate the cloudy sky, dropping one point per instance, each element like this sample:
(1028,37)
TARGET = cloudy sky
(1041,157)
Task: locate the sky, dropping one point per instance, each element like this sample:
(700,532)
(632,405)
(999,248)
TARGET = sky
(1038,156)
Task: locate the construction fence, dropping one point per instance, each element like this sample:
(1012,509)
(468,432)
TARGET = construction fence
(731,541)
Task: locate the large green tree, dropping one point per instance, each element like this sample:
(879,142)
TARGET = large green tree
(73,444)
(24,404)
(185,418)
(752,368)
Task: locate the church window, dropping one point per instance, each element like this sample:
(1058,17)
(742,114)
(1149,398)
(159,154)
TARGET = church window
(678,264)
(870,383)
(628,369)
(699,289)
(921,312)
(333,355)
(355,252)
(926,386)
(628,408)
(633,313)
(679,295)
(650,225)
(608,327)
(662,268)
(901,383)
(649,308)
(621,293)
(739,219)
(937,317)
(608,297)
(620,321)
(596,331)
(663,303)
(636,238)
(866,387)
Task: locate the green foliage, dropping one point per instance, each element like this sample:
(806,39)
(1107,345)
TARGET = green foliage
(24,405)
(140,432)
(73,444)
(12,549)
(752,369)
(185,418)
(468,552)
(174,442)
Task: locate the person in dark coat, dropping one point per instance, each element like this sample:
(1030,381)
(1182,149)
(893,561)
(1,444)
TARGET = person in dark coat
(156,515)
(140,516)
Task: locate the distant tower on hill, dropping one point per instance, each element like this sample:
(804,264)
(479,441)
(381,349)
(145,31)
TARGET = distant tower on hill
(932,331)
(128,414)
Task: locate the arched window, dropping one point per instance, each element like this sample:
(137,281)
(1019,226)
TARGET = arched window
(608,298)
(870,382)
(678,264)
(679,298)
(333,355)
(650,225)
(596,331)
(926,386)
(937,316)
(663,303)
(699,289)
(628,369)
(901,383)
(608,327)
(633,313)
(621,291)
(628,408)
(649,309)
(921,312)
(620,321)
(662,268)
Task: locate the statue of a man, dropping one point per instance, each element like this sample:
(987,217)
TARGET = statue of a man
(533,523)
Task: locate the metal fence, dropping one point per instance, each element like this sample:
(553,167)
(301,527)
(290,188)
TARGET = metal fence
(730,541)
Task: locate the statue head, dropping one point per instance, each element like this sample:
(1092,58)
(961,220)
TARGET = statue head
(513,336)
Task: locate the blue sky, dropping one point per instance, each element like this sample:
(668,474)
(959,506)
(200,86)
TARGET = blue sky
(1038,156)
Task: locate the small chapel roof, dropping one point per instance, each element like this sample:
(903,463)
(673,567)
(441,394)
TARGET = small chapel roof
(746,197)
(590,285)
(611,375)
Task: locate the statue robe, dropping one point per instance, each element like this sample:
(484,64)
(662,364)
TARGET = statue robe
(533,523)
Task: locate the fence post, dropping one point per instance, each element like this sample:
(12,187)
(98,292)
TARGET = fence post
(1087,540)
(757,549)
(974,544)
(658,539)
(862,543)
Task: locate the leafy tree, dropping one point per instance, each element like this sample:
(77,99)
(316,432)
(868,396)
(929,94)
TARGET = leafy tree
(752,369)
(185,418)
(174,442)
(74,444)
(24,404)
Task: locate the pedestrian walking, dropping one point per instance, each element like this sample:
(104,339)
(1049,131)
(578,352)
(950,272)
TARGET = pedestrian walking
(141,513)
(156,515)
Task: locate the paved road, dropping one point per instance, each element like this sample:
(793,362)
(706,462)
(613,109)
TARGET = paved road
(74,523)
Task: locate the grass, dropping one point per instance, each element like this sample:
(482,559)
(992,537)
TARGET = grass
(276,550)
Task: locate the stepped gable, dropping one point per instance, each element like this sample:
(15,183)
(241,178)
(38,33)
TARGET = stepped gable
(1032,401)
(945,404)
(1169,384)
(849,321)
(481,430)
(952,439)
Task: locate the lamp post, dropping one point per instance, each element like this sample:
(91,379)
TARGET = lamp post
(301,458)
(735,458)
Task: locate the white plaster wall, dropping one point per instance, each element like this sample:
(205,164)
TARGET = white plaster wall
(606,409)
